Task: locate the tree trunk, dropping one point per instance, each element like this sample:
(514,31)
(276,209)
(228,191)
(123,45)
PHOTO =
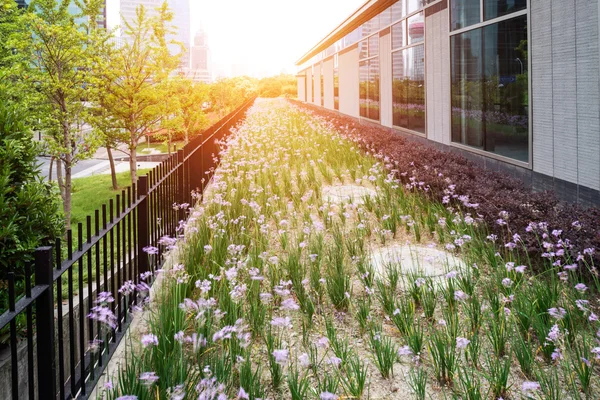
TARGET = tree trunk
(169,144)
(67,198)
(133,164)
(50,169)
(59,178)
(113,171)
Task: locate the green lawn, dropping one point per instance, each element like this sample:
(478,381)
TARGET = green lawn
(91,192)
(160,146)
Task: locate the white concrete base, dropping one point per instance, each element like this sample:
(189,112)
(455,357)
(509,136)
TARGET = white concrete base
(428,262)
(339,194)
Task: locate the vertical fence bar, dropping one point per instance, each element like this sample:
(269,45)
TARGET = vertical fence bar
(179,183)
(81,311)
(61,366)
(98,345)
(14,359)
(30,366)
(115,276)
(142,228)
(44,314)
(72,342)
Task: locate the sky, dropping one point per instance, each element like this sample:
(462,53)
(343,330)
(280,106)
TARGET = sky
(265,37)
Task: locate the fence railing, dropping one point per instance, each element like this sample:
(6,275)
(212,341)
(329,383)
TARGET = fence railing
(64,351)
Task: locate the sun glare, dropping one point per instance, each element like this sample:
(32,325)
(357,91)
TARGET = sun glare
(265,37)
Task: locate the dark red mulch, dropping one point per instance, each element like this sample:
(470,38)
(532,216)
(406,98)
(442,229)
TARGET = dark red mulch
(493,191)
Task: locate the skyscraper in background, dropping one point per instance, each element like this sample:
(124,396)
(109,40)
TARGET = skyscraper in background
(201,68)
(181,21)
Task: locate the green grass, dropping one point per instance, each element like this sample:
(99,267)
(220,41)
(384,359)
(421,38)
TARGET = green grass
(91,192)
(160,146)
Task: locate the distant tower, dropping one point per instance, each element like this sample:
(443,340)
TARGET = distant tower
(181,21)
(21,3)
(201,58)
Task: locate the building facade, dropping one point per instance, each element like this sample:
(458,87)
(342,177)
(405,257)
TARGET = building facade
(511,84)
(181,20)
(201,70)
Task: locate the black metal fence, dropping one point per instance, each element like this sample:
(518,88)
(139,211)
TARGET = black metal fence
(62,352)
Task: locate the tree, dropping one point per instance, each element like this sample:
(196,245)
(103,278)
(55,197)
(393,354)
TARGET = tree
(187,117)
(133,86)
(61,56)
(227,94)
(30,209)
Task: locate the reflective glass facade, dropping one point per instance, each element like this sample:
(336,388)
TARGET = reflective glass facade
(489,88)
(408,88)
(490,95)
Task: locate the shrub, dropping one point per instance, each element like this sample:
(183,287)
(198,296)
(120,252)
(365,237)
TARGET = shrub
(492,191)
(30,209)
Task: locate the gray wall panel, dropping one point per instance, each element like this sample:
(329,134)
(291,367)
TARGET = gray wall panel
(348,70)
(385,68)
(328,83)
(564,79)
(588,105)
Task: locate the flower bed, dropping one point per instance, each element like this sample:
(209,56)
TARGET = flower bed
(493,192)
(275,296)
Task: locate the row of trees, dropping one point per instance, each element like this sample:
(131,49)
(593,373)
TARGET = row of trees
(85,89)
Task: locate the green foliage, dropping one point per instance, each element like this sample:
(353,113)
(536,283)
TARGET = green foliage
(275,86)
(29,208)
(227,94)
(133,80)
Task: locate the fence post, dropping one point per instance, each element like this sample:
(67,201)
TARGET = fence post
(142,228)
(180,183)
(44,315)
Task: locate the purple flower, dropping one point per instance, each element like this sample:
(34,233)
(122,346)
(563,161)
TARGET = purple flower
(553,334)
(405,351)
(462,342)
(150,250)
(580,287)
(127,397)
(281,356)
(283,322)
(334,361)
(242,394)
(323,342)
(460,295)
(328,396)
(149,340)
(557,313)
(103,315)
(289,304)
(148,377)
(506,282)
(530,386)
(304,360)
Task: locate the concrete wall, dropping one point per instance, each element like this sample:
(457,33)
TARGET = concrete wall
(349,92)
(301,88)
(565,90)
(385,85)
(317,84)
(328,82)
(308,86)
(437,78)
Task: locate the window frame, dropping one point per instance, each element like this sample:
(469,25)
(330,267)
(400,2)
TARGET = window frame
(483,23)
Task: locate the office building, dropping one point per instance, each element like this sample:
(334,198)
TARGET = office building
(511,84)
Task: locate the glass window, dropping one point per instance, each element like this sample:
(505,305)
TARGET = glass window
(374,45)
(408,88)
(416,28)
(369,88)
(490,98)
(375,23)
(385,18)
(363,75)
(495,8)
(363,49)
(398,35)
(397,10)
(373,96)
(464,13)
(336,83)
(322,86)
(413,5)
